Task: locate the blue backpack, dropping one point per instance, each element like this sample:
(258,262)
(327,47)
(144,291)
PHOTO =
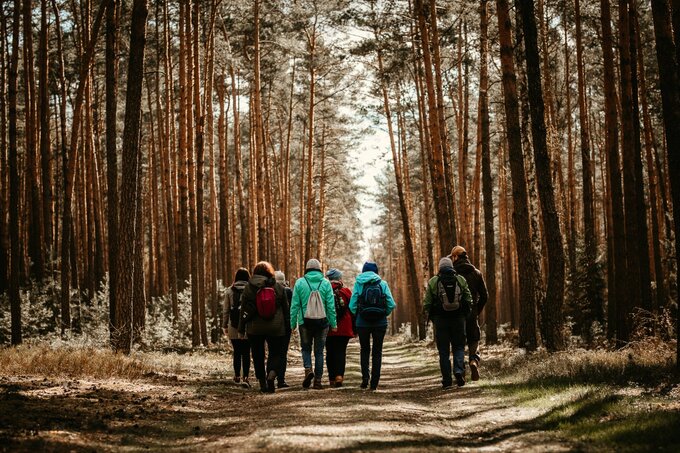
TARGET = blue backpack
(372,302)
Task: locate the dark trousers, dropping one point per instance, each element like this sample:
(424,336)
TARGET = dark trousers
(257,343)
(281,377)
(450,334)
(365,334)
(241,356)
(336,355)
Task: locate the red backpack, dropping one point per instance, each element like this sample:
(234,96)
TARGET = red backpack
(265,301)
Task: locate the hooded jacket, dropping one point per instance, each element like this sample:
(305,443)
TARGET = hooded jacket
(345,328)
(432,305)
(362,279)
(232,332)
(249,321)
(475,282)
(304,286)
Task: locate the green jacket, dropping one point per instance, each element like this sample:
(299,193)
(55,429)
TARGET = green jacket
(303,288)
(432,296)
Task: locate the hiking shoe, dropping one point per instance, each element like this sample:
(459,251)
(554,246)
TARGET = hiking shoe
(309,375)
(374,387)
(245,383)
(364,384)
(331,382)
(283,385)
(264,385)
(338,381)
(460,379)
(474,369)
(237,379)
(317,384)
(447,385)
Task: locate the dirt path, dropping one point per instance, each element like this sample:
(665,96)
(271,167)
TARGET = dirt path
(204,410)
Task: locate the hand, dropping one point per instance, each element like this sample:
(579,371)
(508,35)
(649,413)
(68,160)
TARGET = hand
(226,331)
(334,329)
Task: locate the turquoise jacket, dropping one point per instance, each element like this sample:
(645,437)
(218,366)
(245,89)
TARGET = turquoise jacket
(363,278)
(301,292)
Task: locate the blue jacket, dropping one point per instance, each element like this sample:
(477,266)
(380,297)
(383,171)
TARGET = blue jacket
(363,278)
(301,291)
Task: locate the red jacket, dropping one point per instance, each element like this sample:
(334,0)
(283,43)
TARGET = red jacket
(345,322)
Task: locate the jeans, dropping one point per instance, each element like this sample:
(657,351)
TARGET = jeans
(318,336)
(336,355)
(450,333)
(257,343)
(365,334)
(281,377)
(241,357)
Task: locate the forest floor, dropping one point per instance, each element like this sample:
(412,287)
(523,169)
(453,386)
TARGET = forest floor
(191,404)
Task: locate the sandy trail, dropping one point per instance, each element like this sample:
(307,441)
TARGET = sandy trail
(207,412)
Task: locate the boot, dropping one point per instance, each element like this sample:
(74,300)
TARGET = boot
(263,385)
(245,383)
(474,369)
(331,382)
(309,375)
(271,381)
(338,381)
(317,384)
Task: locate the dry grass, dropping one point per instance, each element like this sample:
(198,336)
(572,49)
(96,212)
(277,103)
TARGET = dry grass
(44,360)
(648,362)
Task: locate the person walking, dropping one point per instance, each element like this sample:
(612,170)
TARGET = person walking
(262,318)
(231,316)
(313,309)
(447,303)
(475,281)
(336,343)
(372,303)
(281,377)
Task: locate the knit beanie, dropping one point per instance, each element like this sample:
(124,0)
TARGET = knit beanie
(313,264)
(280,277)
(333,274)
(370,266)
(445,262)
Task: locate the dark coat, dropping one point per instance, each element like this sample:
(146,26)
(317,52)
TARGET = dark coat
(475,282)
(250,322)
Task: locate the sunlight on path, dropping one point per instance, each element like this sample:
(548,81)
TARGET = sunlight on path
(408,412)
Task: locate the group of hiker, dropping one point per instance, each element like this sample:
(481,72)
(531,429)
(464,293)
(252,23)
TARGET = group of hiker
(261,312)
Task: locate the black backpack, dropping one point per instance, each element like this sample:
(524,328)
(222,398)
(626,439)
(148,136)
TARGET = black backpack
(340,304)
(235,309)
(372,302)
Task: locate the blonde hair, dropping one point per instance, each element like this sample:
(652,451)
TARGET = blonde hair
(457,251)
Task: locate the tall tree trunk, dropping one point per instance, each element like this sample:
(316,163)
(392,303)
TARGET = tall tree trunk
(552,308)
(520,216)
(487,183)
(669,79)
(70,164)
(45,155)
(111,154)
(633,280)
(14,183)
(589,237)
(130,184)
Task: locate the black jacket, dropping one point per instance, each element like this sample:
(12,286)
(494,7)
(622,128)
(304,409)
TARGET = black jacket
(475,282)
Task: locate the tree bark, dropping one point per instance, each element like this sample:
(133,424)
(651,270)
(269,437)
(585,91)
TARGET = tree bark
(552,307)
(130,184)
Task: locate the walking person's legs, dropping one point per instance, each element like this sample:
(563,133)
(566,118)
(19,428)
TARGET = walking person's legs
(443,340)
(473,334)
(281,377)
(257,346)
(306,348)
(331,358)
(378,334)
(458,344)
(275,347)
(236,362)
(365,344)
(319,346)
(341,360)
